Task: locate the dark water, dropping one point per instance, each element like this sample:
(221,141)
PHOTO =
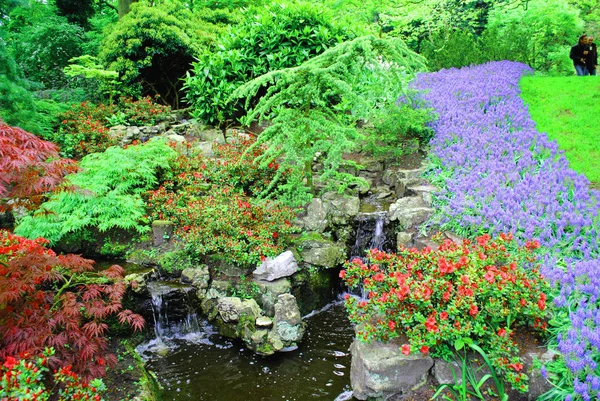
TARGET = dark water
(211,367)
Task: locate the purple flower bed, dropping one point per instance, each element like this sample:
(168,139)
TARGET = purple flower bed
(498,174)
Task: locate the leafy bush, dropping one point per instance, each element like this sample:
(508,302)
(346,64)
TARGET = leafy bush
(209,202)
(478,290)
(84,128)
(27,378)
(277,37)
(56,301)
(106,195)
(313,109)
(151,48)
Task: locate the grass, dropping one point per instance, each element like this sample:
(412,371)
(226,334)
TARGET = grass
(568,110)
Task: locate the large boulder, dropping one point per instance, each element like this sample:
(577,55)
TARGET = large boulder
(322,253)
(231,309)
(341,209)
(198,277)
(287,323)
(271,269)
(409,212)
(381,370)
(316,216)
(269,293)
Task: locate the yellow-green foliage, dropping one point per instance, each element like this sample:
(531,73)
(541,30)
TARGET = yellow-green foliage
(568,109)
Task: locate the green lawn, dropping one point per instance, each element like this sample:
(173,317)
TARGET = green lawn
(568,110)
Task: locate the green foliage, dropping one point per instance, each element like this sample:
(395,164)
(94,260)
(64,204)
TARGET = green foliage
(398,129)
(88,67)
(276,37)
(42,43)
(313,109)
(565,108)
(539,36)
(151,48)
(105,195)
(209,202)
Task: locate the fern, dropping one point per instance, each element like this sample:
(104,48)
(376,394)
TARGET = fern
(107,195)
(313,109)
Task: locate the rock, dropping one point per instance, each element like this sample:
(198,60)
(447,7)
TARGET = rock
(211,135)
(196,276)
(381,370)
(323,253)
(424,191)
(269,291)
(139,281)
(162,231)
(409,212)
(341,209)
(205,149)
(231,270)
(421,243)
(264,322)
(373,166)
(446,372)
(287,322)
(316,216)
(231,309)
(118,131)
(403,239)
(538,385)
(271,269)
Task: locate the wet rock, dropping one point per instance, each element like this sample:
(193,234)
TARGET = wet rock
(196,276)
(424,191)
(271,269)
(316,216)
(231,309)
(270,291)
(287,323)
(381,370)
(341,209)
(138,282)
(323,253)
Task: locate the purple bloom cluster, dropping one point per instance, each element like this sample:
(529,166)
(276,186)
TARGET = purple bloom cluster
(497,173)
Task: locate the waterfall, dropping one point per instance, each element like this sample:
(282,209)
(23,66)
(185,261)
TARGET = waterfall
(371,234)
(174,317)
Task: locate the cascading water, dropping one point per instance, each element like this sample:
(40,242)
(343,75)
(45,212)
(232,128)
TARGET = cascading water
(174,317)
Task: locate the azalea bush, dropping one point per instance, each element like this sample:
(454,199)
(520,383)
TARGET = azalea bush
(210,201)
(496,173)
(480,290)
(27,379)
(84,129)
(51,300)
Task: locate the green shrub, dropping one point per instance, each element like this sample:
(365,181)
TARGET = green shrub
(105,195)
(151,48)
(277,37)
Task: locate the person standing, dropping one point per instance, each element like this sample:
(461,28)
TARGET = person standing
(592,56)
(578,54)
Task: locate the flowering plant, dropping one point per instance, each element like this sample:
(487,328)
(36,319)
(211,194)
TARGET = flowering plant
(477,290)
(25,378)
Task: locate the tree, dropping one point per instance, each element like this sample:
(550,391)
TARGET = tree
(29,168)
(313,109)
(125,7)
(49,300)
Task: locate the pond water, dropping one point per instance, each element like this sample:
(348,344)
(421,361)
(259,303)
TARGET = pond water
(211,367)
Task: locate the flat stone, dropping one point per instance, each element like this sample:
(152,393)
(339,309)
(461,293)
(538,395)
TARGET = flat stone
(264,321)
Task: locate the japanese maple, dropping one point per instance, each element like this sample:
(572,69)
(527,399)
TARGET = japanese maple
(29,167)
(50,300)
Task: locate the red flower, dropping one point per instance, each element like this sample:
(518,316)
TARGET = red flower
(502,332)
(392,325)
(431,324)
(275,235)
(342,274)
(473,310)
(10,362)
(406,349)
(444,315)
(424,350)
(378,277)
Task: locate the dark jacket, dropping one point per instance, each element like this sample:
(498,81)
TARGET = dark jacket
(591,60)
(577,54)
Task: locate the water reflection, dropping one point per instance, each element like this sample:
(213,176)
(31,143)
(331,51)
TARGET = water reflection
(220,369)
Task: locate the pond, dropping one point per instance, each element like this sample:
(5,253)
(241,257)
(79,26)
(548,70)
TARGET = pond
(212,367)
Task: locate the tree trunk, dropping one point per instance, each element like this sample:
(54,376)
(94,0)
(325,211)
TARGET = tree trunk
(124,7)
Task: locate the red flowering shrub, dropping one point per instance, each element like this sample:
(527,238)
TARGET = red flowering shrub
(84,128)
(479,290)
(29,167)
(26,379)
(209,201)
(50,300)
